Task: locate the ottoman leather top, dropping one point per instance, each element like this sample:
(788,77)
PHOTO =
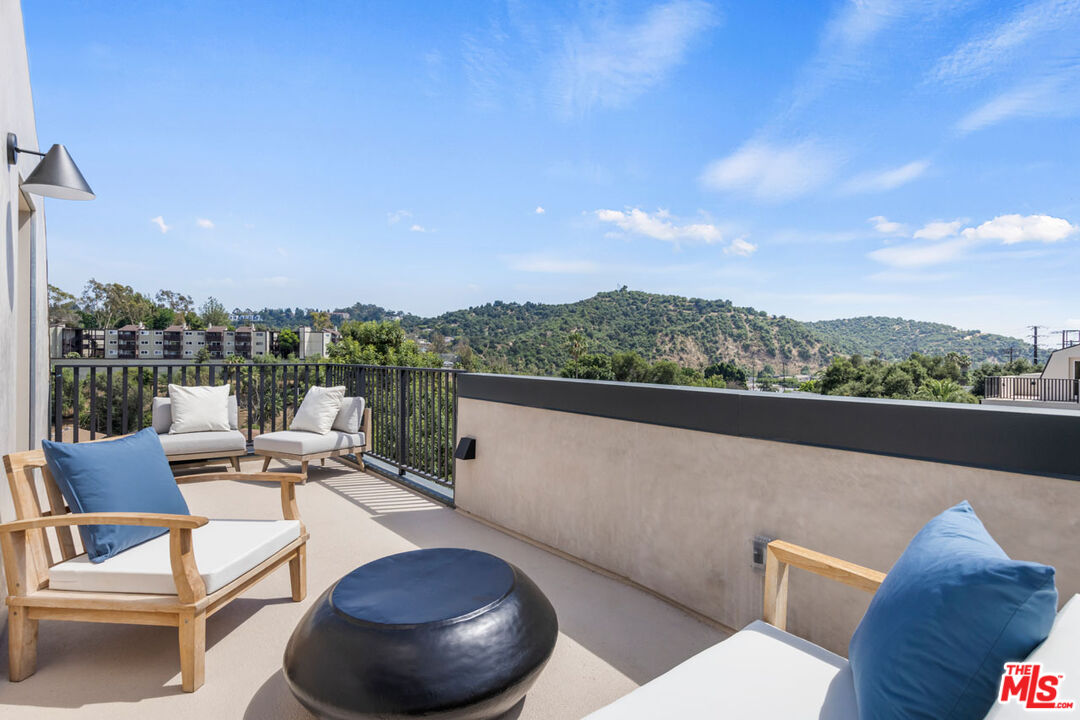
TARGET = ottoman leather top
(426,586)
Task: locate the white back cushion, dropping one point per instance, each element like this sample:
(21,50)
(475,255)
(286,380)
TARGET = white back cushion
(1059,655)
(199,408)
(161,414)
(350,415)
(319,409)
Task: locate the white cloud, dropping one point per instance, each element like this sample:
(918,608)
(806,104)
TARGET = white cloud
(887,227)
(740,246)
(397,216)
(205,224)
(998,47)
(944,242)
(417,228)
(160,222)
(770,172)
(889,179)
(659,226)
(938,230)
(608,64)
(923,254)
(550,264)
(1047,97)
(1013,229)
(540,210)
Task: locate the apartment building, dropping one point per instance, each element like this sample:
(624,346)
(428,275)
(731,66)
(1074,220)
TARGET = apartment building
(314,343)
(176,342)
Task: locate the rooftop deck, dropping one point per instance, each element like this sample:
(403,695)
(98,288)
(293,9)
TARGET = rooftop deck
(612,637)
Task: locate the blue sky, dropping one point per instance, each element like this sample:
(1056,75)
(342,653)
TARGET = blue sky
(816,160)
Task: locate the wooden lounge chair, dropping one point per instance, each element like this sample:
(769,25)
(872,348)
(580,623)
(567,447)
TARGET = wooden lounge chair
(171,592)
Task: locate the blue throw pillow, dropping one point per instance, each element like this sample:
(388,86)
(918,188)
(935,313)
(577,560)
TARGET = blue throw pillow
(126,475)
(950,613)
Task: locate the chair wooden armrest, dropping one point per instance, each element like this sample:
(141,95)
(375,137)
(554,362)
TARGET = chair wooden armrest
(179,522)
(780,556)
(288,481)
(14,544)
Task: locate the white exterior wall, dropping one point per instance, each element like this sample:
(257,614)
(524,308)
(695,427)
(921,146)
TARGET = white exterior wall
(260,342)
(194,340)
(151,344)
(1062,364)
(23,314)
(112,344)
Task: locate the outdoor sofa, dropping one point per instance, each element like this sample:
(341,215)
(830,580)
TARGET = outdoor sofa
(228,444)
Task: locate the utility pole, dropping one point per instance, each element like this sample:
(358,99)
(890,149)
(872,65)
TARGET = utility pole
(1012,352)
(1035,341)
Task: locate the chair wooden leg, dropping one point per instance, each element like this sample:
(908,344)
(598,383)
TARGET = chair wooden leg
(192,650)
(322,462)
(303,471)
(235,463)
(266,463)
(298,574)
(22,644)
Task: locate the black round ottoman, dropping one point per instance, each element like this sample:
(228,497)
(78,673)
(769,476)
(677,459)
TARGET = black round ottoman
(440,633)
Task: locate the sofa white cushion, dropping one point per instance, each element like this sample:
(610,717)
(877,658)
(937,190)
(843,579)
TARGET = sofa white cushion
(203,442)
(1059,654)
(198,408)
(161,414)
(293,442)
(319,409)
(350,416)
(759,672)
(224,550)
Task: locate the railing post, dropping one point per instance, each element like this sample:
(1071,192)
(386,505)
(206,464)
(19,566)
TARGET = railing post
(58,404)
(402,421)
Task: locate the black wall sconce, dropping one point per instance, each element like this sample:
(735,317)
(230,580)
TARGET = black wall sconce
(466,449)
(55,176)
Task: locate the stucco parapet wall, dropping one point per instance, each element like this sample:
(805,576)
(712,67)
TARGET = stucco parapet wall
(1022,440)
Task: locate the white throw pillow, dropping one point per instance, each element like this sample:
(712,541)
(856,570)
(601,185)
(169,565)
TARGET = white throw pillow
(319,409)
(199,409)
(350,416)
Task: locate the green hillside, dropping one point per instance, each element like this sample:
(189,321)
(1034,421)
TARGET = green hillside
(531,337)
(896,339)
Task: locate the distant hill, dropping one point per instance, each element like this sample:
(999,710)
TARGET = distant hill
(897,338)
(531,337)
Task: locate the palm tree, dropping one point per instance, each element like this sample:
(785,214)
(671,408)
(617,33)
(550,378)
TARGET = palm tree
(940,391)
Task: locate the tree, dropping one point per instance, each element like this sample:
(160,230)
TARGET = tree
(162,318)
(177,302)
(213,312)
(112,304)
(203,356)
(664,372)
(320,321)
(629,367)
(944,390)
(589,367)
(288,342)
(576,345)
(194,321)
(63,309)
(438,342)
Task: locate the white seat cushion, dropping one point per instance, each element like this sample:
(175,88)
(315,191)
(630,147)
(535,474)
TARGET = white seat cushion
(759,672)
(224,550)
(203,442)
(296,442)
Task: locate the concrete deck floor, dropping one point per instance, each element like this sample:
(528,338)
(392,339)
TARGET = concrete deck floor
(612,637)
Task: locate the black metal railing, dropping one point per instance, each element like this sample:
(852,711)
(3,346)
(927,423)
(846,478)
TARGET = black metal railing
(1018,387)
(414,410)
